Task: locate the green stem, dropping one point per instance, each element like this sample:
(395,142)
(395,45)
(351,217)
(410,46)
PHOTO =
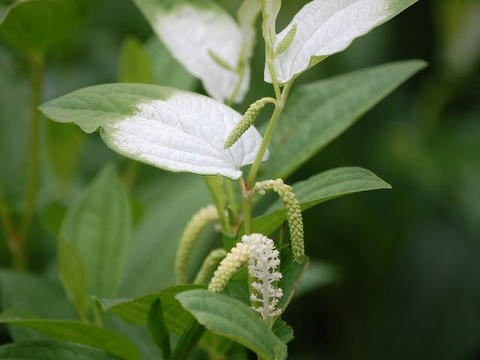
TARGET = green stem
(38,63)
(268,134)
(247,206)
(215,188)
(231,196)
(188,341)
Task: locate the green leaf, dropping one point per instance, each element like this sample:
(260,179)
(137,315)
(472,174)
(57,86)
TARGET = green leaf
(135,311)
(319,188)
(283,331)
(292,275)
(98,224)
(48,350)
(233,319)
(80,333)
(40,26)
(166,70)
(319,112)
(74,276)
(158,329)
(34,295)
(134,65)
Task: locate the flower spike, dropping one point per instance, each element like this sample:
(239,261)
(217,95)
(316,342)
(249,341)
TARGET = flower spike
(294,213)
(189,237)
(209,265)
(263,262)
(247,120)
(262,267)
(228,266)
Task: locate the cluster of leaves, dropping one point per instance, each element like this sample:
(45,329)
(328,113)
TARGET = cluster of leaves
(98,258)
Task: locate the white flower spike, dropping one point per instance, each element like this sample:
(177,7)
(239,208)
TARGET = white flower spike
(263,267)
(263,263)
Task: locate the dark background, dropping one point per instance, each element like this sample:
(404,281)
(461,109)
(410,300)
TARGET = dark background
(408,281)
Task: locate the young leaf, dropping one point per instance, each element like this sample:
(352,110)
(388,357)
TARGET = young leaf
(73,275)
(98,224)
(48,350)
(233,319)
(319,188)
(319,112)
(326,27)
(80,333)
(134,65)
(158,329)
(189,29)
(270,9)
(164,127)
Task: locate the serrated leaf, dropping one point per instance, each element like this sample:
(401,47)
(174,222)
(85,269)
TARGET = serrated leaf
(189,29)
(233,319)
(48,350)
(73,274)
(98,224)
(319,112)
(319,188)
(134,64)
(326,27)
(135,311)
(158,329)
(164,127)
(80,333)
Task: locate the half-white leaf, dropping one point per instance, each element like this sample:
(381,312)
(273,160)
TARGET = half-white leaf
(192,30)
(167,128)
(326,27)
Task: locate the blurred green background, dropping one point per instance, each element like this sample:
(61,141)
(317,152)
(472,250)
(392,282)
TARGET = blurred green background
(408,283)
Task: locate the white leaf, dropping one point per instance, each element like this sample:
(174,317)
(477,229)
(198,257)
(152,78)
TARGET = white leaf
(326,27)
(191,30)
(170,129)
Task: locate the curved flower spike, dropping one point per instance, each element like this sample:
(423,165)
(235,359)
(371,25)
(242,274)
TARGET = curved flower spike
(294,213)
(209,265)
(232,262)
(247,120)
(189,237)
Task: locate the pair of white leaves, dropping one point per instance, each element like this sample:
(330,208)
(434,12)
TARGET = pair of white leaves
(207,41)
(194,30)
(164,127)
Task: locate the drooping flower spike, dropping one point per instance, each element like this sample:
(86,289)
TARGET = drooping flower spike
(209,266)
(189,237)
(294,213)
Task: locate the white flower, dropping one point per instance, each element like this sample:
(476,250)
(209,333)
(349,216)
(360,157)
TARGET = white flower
(262,267)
